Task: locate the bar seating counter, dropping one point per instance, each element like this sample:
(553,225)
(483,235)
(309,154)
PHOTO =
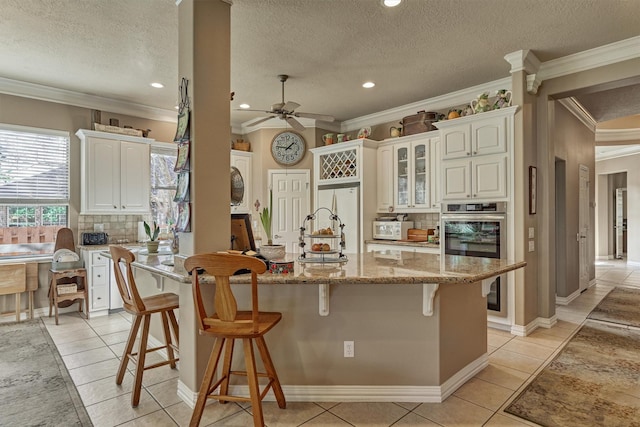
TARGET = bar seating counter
(418,323)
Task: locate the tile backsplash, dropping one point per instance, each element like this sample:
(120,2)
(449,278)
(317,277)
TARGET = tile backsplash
(425,221)
(120,228)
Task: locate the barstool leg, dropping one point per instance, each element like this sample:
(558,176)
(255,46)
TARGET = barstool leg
(271,372)
(174,326)
(167,339)
(128,348)
(252,377)
(207,379)
(142,354)
(226,368)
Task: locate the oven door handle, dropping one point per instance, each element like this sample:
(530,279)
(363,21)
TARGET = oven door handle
(472,217)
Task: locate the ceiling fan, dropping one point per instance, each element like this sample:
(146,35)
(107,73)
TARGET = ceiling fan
(286,111)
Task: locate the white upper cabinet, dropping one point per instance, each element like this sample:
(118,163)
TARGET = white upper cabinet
(115,175)
(243,160)
(385,179)
(477,156)
(409,174)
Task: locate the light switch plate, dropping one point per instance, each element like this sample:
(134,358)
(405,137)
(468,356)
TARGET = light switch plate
(532,232)
(532,246)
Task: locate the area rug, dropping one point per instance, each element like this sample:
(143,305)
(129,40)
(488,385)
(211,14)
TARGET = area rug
(594,381)
(621,305)
(35,386)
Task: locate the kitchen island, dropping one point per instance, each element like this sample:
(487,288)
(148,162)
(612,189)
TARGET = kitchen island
(418,324)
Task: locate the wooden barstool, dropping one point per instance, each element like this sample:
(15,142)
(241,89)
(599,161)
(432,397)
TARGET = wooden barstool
(228,324)
(142,309)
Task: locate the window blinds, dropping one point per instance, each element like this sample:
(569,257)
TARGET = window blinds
(34,165)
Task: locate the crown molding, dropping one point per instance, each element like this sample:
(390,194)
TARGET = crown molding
(621,151)
(623,50)
(62,96)
(579,112)
(523,60)
(616,135)
(449,100)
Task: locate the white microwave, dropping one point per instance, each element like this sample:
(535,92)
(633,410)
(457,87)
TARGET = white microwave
(391,230)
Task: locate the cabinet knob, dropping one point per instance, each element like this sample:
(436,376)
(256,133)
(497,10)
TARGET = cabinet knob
(468,154)
(99,298)
(98,275)
(123,206)
(475,195)
(115,207)
(475,152)
(468,195)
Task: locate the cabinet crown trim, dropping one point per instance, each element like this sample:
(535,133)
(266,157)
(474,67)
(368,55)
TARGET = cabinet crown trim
(84,133)
(509,111)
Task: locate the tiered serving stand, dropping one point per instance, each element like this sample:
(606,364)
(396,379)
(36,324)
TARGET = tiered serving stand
(335,240)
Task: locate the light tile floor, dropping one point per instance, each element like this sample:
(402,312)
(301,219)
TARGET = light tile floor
(91,351)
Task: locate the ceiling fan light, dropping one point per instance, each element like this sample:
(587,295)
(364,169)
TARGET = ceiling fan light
(391,3)
(244,106)
(368,85)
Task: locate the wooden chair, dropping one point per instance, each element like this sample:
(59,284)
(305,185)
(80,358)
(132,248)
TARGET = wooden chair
(65,275)
(228,324)
(142,309)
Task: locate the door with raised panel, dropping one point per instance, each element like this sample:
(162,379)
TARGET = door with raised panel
(489,179)
(103,175)
(489,136)
(456,142)
(456,179)
(435,148)
(134,177)
(385,179)
(291,205)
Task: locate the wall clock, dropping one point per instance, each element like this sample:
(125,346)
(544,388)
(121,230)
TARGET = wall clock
(288,148)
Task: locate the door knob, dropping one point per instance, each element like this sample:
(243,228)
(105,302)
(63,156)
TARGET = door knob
(276,236)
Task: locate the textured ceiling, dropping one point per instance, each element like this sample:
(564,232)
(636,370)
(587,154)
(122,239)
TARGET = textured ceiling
(420,49)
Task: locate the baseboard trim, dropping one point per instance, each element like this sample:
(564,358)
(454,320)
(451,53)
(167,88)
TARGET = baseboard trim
(566,300)
(540,322)
(356,393)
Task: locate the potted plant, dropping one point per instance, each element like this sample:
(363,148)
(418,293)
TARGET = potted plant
(152,234)
(270,251)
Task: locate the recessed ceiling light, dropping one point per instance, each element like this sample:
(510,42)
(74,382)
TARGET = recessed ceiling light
(368,85)
(391,3)
(245,106)
(157,85)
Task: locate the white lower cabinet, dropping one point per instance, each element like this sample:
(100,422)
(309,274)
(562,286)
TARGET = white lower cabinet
(393,251)
(97,267)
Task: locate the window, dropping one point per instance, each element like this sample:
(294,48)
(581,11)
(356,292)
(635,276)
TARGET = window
(163,185)
(34,189)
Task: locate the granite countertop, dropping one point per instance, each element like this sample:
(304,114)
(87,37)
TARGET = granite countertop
(412,243)
(366,268)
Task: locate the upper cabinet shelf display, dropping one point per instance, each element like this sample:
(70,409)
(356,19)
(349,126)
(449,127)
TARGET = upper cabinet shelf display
(114,171)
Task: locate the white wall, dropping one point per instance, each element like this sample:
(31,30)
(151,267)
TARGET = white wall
(628,164)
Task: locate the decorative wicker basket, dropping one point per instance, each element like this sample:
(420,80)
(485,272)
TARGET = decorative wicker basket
(70,288)
(242,145)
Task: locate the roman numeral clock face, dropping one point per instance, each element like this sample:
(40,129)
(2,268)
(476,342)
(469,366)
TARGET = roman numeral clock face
(288,148)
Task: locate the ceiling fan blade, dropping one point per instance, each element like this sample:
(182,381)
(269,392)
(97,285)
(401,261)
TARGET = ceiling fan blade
(290,106)
(260,120)
(322,117)
(258,111)
(295,124)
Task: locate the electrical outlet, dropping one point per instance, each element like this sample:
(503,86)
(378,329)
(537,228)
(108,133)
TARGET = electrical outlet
(349,350)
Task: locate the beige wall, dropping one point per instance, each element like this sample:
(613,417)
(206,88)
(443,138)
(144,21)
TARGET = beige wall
(575,144)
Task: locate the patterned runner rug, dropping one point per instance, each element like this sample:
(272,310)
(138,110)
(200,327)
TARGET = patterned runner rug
(594,381)
(621,305)
(35,386)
